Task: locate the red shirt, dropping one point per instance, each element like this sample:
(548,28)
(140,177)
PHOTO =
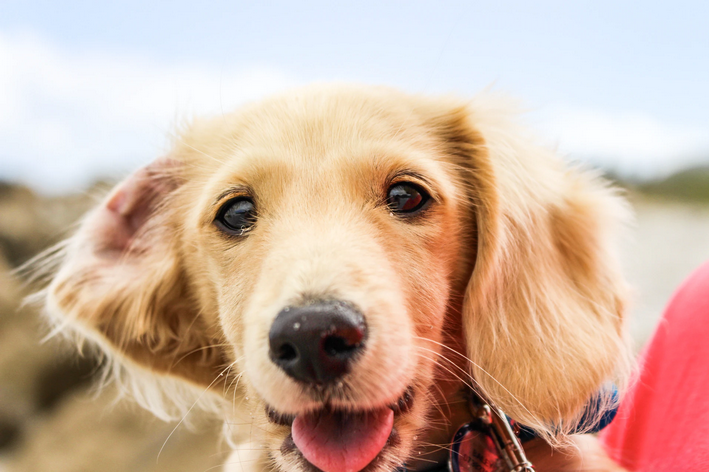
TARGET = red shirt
(663,421)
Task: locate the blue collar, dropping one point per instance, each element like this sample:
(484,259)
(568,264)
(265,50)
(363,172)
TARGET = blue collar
(589,423)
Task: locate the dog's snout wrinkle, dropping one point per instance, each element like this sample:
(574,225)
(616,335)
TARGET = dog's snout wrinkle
(317,343)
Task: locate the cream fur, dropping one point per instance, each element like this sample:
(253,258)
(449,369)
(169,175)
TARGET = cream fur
(507,284)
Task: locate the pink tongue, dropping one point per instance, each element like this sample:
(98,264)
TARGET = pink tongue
(342,442)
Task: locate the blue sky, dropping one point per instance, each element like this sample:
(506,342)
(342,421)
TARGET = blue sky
(95,88)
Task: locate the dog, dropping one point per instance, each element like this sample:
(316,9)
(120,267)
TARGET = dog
(338,269)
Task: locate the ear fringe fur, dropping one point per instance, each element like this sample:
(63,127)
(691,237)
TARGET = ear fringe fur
(546,298)
(166,397)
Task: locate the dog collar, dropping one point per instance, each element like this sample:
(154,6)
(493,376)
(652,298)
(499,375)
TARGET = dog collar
(492,441)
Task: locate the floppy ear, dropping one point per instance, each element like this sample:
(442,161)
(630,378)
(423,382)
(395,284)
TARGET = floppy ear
(543,310)
(122,281)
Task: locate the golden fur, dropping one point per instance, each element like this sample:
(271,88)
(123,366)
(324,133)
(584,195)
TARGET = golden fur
(506,284)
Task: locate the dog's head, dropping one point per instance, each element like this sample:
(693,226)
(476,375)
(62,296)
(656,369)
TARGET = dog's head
(346,264)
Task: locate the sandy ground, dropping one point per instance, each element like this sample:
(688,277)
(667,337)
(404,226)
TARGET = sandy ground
(667,243)
(87,433)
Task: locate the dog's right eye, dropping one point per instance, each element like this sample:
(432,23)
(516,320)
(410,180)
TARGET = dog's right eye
(407,199)
(236,216)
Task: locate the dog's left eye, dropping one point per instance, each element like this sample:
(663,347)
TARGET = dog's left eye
(236,216)
(406,198)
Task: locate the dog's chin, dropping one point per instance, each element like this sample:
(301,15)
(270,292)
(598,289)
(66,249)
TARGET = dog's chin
(336,438)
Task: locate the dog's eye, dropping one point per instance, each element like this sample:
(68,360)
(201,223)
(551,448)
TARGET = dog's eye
(236,216)
(406,198)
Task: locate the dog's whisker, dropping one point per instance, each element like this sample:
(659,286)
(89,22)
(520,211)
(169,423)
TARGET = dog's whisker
(435,361)
(438,404)
(514,397)
(190,409)
(467,374)
(420,457)
(437,447)
(228,386)
(231,423)
(236,380)
(203,348)
(435,402)
(477,390)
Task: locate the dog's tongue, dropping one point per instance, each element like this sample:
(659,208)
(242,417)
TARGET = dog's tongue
(342,442)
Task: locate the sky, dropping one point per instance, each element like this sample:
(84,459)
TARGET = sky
(94,89)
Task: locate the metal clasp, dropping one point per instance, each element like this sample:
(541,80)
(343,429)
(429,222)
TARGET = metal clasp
(502,434)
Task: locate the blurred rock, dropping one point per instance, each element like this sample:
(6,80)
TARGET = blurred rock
(10,429)
(30,223)
(90,433)
(33,374)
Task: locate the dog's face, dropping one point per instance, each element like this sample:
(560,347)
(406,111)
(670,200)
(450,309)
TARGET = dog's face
(344,265)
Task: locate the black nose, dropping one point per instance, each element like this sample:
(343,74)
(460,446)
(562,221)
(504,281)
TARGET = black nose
(317,343)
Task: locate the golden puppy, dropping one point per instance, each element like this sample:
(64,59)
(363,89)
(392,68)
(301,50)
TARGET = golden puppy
(342,267)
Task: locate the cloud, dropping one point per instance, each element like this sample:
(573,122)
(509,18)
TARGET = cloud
(67,117)
(631,143)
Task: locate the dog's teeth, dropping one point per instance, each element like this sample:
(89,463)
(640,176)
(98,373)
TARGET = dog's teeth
(279,418)
(403,404)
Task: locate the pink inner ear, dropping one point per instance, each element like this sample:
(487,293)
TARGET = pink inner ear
(119,220)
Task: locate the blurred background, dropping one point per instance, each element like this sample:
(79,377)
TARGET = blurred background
(91,90)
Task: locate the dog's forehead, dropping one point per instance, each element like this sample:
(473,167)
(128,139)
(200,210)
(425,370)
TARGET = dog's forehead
(334,113)
(317,126)
(319,140)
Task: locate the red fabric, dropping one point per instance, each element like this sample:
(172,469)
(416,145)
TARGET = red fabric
(663,422)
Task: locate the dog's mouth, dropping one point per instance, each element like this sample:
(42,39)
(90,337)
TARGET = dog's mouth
(339,440)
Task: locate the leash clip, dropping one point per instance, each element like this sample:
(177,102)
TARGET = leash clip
(488,443)
(506,440)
